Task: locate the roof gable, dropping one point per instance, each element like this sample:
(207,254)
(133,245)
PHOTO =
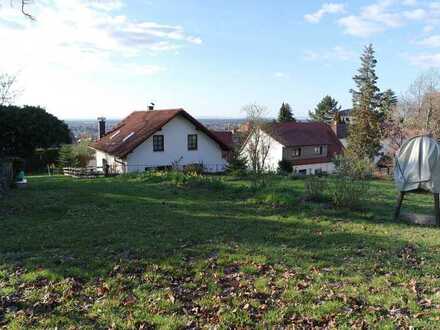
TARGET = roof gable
(139,126)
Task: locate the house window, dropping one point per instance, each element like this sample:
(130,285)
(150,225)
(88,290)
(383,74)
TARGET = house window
(158,144)
(319,150)
(296,152)
(192,142)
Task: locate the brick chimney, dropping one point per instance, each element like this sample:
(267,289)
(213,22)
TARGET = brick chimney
(101,127)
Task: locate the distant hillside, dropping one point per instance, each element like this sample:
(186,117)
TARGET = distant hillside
(89,127)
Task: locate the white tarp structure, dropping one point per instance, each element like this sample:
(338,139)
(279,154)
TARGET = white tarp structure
(418,165)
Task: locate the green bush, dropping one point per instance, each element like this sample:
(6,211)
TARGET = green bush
(315,187)
(348,193)
(196,168)
(353,167)
(237,164)
(177,178)
(75,155)
(285,167)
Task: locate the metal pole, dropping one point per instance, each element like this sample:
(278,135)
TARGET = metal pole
(399,205)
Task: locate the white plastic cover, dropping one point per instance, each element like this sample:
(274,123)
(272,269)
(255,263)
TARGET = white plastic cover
(418,165)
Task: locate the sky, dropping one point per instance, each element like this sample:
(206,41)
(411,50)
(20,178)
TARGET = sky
(90,58)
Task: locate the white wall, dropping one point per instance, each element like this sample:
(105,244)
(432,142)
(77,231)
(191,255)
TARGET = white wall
(275,152)
(176,147)
(324,167)
(112,161)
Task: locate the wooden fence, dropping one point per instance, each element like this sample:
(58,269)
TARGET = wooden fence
(83,172)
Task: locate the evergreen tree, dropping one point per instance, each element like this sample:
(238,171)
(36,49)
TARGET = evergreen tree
(285,114)
(388,102)
(365,130)
(326,110)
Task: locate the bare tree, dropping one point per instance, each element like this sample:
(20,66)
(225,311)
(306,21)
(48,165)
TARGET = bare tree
(258,143)
(8,90)
(23,7)
(420,106)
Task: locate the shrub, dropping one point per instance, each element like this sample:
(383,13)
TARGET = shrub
(314,188)
(353,167)
(348,193)
(237,164)
(75,155)
(196,168)
(285,167)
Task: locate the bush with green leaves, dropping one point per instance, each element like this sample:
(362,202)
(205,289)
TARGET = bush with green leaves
(315,187)
(353,167)
(75,155)
(346,192)
(196,168)
(285,167)
(237,164)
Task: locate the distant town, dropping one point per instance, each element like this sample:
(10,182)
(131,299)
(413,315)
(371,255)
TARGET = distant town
(88,128)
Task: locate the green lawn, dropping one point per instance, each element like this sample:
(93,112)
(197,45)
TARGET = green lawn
(140,254)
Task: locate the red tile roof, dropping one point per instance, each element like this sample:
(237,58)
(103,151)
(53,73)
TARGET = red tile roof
(139,126)
(225,136)
(303,134)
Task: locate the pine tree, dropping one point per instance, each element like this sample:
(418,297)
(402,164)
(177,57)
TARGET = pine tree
(387,104)
(285,114)
(365,131)
(326,110)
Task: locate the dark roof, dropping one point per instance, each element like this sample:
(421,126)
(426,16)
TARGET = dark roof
(302,134)
(225,137)
(346,112)
(139,126)
(297,134)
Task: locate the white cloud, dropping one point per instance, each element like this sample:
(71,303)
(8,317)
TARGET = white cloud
(338,53)
(416,14)
(280,75)
(410,2)
(428,28)
(425,60)
(359,27)
(73,43)
(385,14)
(431,41)
(327,8)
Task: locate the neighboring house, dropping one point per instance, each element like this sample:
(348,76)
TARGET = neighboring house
(227,138)
(346,115)
(160,138)
(309,146)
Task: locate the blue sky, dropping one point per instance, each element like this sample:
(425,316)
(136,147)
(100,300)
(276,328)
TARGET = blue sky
(83,59)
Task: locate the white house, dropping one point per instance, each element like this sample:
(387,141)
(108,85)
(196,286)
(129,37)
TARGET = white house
(160,138)
(309,146)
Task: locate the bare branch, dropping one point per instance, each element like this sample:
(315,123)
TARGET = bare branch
(8,90)
(24,3)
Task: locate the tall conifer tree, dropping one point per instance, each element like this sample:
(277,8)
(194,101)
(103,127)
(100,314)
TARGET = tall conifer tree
(365,131)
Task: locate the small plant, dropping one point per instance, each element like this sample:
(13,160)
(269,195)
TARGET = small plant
(353,167)
(237,165)
(196,168)
(285,167)
(314,188)
(348,193)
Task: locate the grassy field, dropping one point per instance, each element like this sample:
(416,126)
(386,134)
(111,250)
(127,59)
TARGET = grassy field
(133,253)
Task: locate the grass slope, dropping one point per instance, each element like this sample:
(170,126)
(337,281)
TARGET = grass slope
(139,254)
